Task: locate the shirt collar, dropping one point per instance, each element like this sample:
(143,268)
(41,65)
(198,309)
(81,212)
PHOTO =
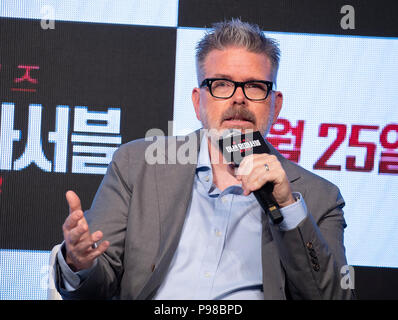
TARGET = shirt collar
(204,171)
(203,157)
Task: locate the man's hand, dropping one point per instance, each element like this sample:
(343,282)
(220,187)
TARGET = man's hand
(79,242)
(257,169)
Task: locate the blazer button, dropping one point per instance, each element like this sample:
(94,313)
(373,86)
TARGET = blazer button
(309,245)
(316,267)
(313,254)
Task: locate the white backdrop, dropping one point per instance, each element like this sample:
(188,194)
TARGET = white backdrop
(337,80)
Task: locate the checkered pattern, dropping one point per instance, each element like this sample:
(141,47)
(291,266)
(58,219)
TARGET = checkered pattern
(119,46)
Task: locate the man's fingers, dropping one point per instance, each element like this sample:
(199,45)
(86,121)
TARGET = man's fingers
(84,258)
(73,201)
(86,242)
(77,233)
(80,243)
(256,180)
(254,162)
(96,236)
(72,220)
(253,173)
(99,250)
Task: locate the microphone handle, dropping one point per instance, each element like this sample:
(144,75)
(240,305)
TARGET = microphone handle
(268,203)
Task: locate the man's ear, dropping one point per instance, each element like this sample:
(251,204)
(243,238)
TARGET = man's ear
(196,102)
(278,100)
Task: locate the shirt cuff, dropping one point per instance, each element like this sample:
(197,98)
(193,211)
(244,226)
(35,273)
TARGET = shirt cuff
(70,278)
(294,213)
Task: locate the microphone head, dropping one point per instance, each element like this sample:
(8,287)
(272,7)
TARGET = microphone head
(235,146)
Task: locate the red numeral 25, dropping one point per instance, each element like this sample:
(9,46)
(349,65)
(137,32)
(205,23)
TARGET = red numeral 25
(353,142)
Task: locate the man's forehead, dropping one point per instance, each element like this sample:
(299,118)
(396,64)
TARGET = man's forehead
(223,63)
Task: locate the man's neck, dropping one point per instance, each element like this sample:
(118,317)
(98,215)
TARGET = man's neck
(223,173)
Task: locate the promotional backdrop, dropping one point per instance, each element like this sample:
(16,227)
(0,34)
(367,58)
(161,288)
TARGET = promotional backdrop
(79,78)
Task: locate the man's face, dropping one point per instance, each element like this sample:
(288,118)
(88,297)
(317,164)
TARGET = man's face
(238,112)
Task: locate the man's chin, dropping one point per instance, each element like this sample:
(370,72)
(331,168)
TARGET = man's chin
(227,126)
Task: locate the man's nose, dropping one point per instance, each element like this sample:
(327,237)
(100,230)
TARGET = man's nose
(239,96)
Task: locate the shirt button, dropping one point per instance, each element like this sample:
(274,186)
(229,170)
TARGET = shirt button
(218,233)
(224,199)
(207,274)
(207,178)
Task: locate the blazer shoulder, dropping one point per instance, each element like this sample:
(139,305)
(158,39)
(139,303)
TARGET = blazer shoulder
(311,178)
(318,190)
(158,146)
(151,150)
(135,149)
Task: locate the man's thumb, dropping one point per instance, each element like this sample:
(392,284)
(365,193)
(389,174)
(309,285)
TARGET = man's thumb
(73,201)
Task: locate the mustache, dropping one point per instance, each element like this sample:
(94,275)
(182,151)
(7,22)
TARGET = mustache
(238,113)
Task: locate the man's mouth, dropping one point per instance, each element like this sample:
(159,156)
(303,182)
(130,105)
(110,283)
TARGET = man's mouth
(238,119)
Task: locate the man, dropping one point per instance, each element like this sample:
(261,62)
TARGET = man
(196,231)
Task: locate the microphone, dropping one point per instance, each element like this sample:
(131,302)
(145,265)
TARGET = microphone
(235,146)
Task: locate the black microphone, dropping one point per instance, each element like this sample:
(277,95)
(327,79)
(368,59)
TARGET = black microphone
(235,146)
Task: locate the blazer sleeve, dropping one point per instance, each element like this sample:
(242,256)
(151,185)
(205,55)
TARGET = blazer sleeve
(313,253)
(108,213)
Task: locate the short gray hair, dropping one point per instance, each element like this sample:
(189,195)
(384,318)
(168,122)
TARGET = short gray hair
(239,34)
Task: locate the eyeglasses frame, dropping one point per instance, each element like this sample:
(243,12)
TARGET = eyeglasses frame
(208,82)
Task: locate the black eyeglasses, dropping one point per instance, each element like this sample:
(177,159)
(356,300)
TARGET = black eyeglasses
(255,90)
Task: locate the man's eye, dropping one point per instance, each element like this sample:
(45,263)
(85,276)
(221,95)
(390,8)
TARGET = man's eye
(218,84)
(256,85)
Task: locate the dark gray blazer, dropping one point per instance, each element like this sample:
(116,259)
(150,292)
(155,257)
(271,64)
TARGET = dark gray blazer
(141,210)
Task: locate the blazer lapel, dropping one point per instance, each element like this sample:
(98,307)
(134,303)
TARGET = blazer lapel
(291,170)
(174,183)
(273,275)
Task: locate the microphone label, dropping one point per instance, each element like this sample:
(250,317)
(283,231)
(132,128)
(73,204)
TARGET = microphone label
(243,146)
(236,146)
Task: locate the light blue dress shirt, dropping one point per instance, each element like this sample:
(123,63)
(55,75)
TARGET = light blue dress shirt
(219,252)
